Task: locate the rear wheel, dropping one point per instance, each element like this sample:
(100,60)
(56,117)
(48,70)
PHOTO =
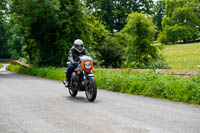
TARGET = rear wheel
(91,90)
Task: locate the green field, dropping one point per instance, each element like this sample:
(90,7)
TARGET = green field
(183,56)
(1,65)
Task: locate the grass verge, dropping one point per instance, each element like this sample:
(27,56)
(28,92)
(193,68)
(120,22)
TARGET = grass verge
(146,84)
(151,84)
(1,65)
(46,72)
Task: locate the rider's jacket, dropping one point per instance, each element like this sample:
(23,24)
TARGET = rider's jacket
(74,54)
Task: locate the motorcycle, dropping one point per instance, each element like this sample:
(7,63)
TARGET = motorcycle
(82,78)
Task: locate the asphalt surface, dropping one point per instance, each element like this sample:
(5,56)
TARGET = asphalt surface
(35,105)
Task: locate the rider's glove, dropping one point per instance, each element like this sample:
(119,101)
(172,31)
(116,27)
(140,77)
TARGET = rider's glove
(74,63)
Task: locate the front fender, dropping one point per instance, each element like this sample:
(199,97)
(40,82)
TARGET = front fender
(90,75)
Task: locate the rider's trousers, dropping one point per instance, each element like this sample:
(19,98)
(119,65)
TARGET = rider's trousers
(69,72)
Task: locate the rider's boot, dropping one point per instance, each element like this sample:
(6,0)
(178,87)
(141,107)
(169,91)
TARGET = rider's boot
(66,83)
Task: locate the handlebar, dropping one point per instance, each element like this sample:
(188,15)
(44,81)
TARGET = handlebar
(75,63)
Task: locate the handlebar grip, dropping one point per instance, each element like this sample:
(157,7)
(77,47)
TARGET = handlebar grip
(95,63)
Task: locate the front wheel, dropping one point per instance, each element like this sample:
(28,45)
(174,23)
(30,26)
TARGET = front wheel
(91,90)
(73,93)
(72,90)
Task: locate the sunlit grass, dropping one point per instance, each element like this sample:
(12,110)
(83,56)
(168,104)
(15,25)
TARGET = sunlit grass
(183,56)
(1,65)
(44,72)
(151,84)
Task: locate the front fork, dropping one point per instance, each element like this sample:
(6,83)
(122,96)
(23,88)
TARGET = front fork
(86,77)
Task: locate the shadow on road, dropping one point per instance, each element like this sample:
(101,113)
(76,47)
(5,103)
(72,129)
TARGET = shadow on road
(79,99)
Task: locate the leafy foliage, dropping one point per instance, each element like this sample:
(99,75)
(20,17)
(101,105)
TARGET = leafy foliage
(138,37)
(111,52)
(15,41)
(3,30)
(151,84)
(113,13)
(159,13)
(49,29)
(43,31)
(4,53)
(181,23)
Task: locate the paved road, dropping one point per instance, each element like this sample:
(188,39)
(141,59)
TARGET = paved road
(34,105)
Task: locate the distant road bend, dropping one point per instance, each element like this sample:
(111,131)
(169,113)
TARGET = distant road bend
(35,105)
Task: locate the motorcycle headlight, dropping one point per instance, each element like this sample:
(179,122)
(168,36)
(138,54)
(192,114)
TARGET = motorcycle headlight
(88,65)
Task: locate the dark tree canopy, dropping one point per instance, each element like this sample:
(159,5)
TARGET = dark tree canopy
(50,28)
(113,13)
(159,12)
(117,33)
(3,30)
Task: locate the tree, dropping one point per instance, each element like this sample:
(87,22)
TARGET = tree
(49,28)
(138,35)
(96,32)
(159,12)
(113,13)
(181,23)
(111,53)
(15,41)
(3,30)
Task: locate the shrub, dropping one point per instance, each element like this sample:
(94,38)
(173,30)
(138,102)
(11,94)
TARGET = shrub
(111,53)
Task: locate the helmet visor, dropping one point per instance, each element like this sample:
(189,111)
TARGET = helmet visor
(79,47)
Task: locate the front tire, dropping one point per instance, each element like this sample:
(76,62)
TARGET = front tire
(73,89)
(91,90)
(73,93)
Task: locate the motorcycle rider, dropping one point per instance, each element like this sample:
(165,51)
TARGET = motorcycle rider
(77,50)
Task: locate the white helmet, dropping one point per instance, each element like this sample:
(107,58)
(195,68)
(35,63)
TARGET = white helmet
(78,45)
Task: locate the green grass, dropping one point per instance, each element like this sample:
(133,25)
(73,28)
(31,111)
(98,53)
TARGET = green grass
(183,56)
(146,84)
(152,85)
(1,65)
(48,73)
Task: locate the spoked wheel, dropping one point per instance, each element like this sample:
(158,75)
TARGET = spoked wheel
(72,92)
(91,90)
